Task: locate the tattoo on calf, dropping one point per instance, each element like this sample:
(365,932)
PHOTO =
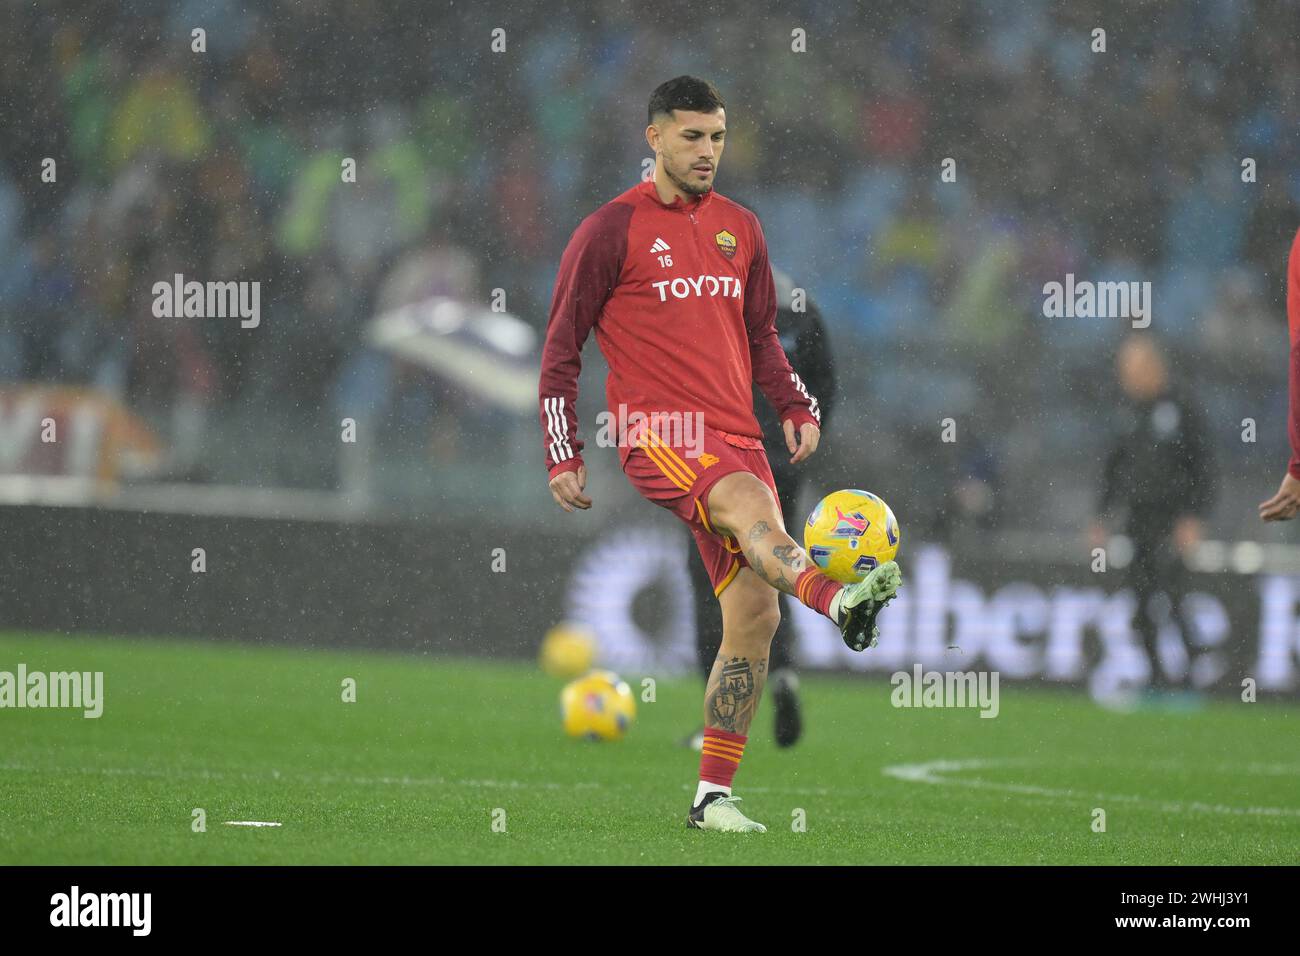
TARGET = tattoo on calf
(732,695)
(760,528)
(791,556)
(775,577)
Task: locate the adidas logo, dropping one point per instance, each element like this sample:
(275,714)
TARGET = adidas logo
(659,246)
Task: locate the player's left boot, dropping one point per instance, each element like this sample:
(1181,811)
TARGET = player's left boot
(717,811)
(863,601)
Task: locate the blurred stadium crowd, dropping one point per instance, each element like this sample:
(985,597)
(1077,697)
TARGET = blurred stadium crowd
(474,167)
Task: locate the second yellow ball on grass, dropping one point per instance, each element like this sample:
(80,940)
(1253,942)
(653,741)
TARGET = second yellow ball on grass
(567,650)
(599,706)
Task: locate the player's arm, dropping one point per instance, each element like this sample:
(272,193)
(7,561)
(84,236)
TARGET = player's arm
(588,273)
(813,353)
(1286,503)
(1099,530)
(795,406)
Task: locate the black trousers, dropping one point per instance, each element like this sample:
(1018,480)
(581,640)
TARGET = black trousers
(1159,579)
(708,613)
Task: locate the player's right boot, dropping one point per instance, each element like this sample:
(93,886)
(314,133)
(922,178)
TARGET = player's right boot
(862,602)
(717,811)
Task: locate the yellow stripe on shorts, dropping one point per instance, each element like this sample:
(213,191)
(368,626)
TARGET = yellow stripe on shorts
(669,472)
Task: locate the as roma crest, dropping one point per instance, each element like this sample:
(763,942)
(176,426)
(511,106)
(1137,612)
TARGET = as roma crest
(726,244)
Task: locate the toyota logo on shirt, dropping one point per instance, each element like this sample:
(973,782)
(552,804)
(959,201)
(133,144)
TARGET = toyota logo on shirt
(712,286)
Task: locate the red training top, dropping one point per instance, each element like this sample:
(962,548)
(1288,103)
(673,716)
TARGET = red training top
(682,300)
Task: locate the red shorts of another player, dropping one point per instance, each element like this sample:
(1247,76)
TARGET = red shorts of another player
(666,475)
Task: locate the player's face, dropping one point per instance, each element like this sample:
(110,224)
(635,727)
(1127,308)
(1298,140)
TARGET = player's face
(691,147)
(1141,369)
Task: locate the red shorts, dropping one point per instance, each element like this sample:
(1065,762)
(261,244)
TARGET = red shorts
(667,476)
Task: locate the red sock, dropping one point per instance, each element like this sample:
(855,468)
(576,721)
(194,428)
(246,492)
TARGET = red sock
(815,590)
(721,756)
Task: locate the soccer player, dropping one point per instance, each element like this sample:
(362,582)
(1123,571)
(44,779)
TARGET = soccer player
(1284,505)
(803,338)
(675,282)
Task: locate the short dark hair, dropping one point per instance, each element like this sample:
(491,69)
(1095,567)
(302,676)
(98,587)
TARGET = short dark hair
(684,93)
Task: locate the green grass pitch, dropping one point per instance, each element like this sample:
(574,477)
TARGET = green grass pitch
(413,771)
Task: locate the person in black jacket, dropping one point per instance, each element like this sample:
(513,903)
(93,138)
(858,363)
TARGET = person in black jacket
(1161,471)
(803,336)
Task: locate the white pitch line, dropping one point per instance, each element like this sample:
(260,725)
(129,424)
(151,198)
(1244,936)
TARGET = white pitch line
(275,776)
(252,823)
(932,772)
(936,771)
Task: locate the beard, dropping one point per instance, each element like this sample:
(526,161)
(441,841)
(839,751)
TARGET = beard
(688,187)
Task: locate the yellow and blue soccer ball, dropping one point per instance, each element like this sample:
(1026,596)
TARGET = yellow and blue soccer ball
(599,706)
(849,533)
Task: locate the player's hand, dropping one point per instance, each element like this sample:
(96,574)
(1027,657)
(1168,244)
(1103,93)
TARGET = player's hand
(566,489)
(1283,505)
(809,436)
(1187,534)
